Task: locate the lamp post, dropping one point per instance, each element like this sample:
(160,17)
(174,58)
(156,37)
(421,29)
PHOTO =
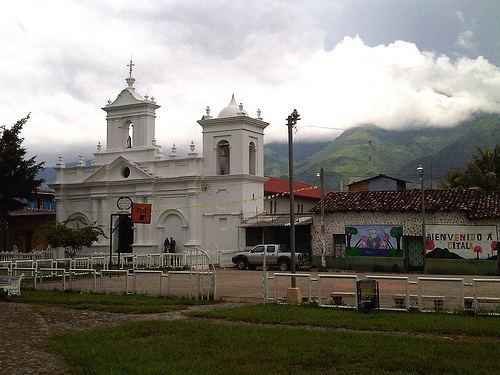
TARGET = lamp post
(321,176)
(420,171)
(291,123)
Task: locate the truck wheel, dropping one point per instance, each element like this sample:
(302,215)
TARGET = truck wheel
(283,265)
(242,264)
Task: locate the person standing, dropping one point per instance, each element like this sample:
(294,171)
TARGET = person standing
(172,245)
(166,245)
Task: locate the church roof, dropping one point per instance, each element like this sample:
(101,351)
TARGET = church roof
(129,96)
(233,110)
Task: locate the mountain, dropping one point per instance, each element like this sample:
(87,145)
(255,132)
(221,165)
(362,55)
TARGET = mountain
(48,175)
(368,150)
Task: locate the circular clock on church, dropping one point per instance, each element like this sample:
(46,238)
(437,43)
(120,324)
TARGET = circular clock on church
(124,203)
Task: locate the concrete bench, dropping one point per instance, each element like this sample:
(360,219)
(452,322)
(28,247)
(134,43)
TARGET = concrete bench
(469,301)
(337,297)
(400,300)
(11,285)
(438,301)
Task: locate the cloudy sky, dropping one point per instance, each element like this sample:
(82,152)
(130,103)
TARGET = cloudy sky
(396,63)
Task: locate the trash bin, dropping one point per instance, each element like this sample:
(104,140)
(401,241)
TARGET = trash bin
(367,294)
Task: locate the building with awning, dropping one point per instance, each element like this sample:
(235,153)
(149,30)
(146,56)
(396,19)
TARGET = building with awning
(273,226)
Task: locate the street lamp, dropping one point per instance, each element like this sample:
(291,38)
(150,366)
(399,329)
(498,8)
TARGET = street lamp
(420,171)
(321,176)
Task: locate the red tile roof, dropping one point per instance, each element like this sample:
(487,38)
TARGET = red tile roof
(476,204)
(275,185)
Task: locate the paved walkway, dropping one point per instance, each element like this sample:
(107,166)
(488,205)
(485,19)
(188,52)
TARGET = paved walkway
(23,347)
(25,330)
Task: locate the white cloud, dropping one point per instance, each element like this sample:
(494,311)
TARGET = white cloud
(465,37)
(65,59)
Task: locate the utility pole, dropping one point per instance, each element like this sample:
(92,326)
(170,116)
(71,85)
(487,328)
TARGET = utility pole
(420,171)
(291,124)
(321,176)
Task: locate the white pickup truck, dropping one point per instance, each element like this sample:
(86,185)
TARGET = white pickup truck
(275,255)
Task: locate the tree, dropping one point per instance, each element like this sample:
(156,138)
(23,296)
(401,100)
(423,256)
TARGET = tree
(17,174)
(350,231)
(482,172)
(397,233)
(72,238)
(478,250)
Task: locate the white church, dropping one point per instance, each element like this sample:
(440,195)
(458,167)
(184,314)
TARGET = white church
(199,200)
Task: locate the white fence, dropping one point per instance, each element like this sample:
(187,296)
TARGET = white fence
(223,258)
(337,290)
(188,274)
(395,292)
(486,296)
(34,255)
(440,293)
(200,285)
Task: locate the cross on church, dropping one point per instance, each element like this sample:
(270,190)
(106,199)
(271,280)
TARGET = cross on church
(130,65)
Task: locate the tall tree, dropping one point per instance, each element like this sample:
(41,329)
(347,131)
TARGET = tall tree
(17,174)
(482,171)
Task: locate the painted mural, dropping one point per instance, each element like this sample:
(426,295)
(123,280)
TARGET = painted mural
(461,241)
(374,240)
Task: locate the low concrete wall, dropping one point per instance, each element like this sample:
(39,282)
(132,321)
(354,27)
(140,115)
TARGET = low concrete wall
(461,266)
(377,264)
(432,266)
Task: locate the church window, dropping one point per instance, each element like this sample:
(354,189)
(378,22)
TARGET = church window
(130,137)
(251,158)
(125,172)
(223,157)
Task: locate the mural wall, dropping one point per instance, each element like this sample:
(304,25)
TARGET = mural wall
(374,240)
(461,241)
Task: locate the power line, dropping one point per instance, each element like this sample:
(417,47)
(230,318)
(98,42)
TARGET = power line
(322,127)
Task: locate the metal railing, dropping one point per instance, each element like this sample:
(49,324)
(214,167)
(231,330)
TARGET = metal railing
(340,291)
(34,255)
(394,292)
(446,294)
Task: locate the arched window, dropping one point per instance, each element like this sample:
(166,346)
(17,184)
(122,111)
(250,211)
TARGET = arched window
(251,158)
(130,137)
(223,157)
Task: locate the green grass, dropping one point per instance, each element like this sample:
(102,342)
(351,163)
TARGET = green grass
(182,347)
(456,324)
(135,304)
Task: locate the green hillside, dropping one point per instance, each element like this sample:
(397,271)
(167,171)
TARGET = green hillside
(392,152)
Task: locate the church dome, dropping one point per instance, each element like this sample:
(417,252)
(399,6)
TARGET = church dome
(233,110)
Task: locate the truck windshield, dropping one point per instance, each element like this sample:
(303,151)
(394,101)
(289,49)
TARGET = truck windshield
(257,249)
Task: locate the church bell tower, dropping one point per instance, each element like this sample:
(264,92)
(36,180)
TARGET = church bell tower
(130,119)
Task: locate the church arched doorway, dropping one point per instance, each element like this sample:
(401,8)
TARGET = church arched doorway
(125,234)
(173,225)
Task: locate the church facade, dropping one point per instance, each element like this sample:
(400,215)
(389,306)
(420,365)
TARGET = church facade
(199,200)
